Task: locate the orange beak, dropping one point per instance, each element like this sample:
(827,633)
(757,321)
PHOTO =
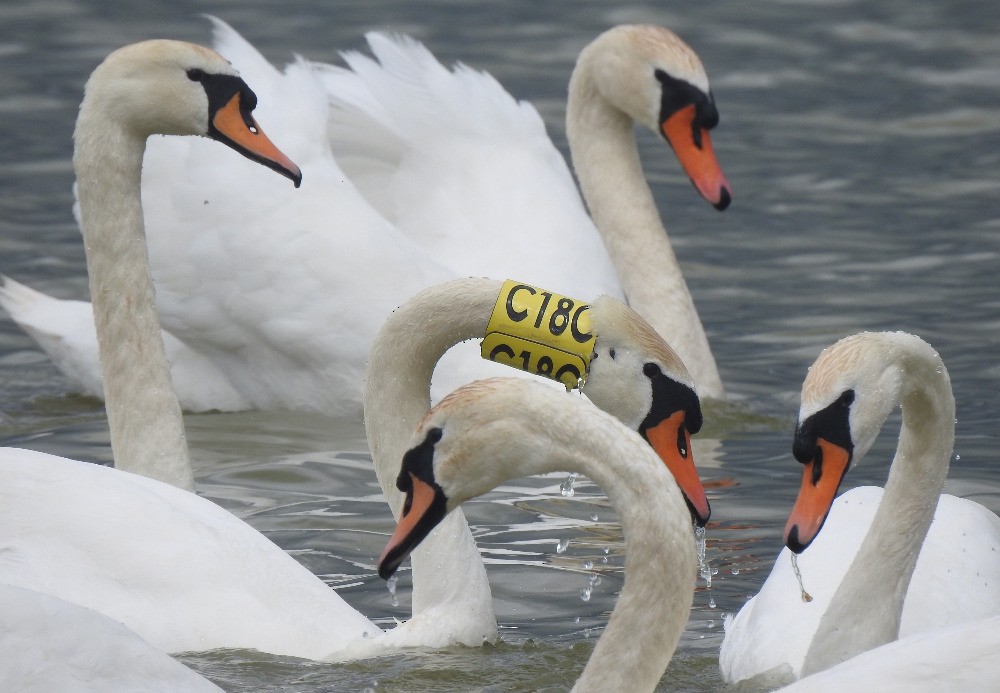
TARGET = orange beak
(816,495)
(249,140)
(693,148)
(665,440)
(423,510)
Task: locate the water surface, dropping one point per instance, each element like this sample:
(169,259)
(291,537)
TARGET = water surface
(862,141)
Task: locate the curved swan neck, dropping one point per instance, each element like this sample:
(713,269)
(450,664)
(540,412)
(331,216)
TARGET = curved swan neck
(865,611)
(523,428)
(402,360)
(396,397)
(660,565)
(606,160)
(147,430)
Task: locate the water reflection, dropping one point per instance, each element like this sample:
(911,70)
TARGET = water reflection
(862,141)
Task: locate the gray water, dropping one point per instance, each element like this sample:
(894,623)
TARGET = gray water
(862,142)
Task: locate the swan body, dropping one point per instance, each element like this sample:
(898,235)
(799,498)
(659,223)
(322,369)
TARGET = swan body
(47,644)
(173,567)
(887,563)
(628,378)
(236,274)
(490,431)
(962,657)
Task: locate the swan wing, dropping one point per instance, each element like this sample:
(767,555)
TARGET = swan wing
(173,567)
(462,168)
(47,644)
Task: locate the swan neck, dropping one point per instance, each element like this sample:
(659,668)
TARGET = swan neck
(606,161)
(866,610)
(448,573)
(147,431)
(653,607)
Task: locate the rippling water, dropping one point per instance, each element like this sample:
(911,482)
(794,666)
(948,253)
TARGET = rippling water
(862,141)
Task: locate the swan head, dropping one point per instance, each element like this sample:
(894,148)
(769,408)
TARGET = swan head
(849,392)
(636,376)
(655,78)
(178,88)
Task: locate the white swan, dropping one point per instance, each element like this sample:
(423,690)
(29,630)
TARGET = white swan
(232,270)
(47,644)
(963,657)
(64,524)
(490,431)
(633,374)
(175,568)
(868,584)
(125,545)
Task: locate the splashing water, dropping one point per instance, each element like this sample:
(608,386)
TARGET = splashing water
(806,597)
(704,569)
(566,487)
(562,545)
(391,586)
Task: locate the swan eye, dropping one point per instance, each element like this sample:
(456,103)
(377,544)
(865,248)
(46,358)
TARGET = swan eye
(682,441)
(196,74)
(611,353)
(651,370)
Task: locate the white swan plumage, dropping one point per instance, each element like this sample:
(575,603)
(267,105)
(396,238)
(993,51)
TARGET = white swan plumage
(124,545)
(962,657)
(628,378)
(175,568)
(490,431)
(887,564)
(47,644)
(237,274)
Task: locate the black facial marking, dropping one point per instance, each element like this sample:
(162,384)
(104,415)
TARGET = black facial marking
(417,462)
(677,94)
(611,353)
(220,90)
(832,424)
(670,396)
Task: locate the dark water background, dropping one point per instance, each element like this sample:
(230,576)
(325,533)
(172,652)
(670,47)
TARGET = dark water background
(862,141)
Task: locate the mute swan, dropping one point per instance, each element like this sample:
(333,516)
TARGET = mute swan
(114,541)
(858,569)
(217,256)
(632,376)
(490,431)
(47,644)
(962,657)
(128,546)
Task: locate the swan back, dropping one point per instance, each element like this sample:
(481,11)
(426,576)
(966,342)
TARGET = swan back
(491,431)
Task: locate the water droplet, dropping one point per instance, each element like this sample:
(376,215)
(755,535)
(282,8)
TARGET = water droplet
(734,571)
(566,487)
(585,594)
(593,518)
(711,602)
(562,546)
(576,620)
(587,565)
(607,550)
(711,624)
(391,584)
(704,569)
(806,597)
(957,457)
(595,580)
